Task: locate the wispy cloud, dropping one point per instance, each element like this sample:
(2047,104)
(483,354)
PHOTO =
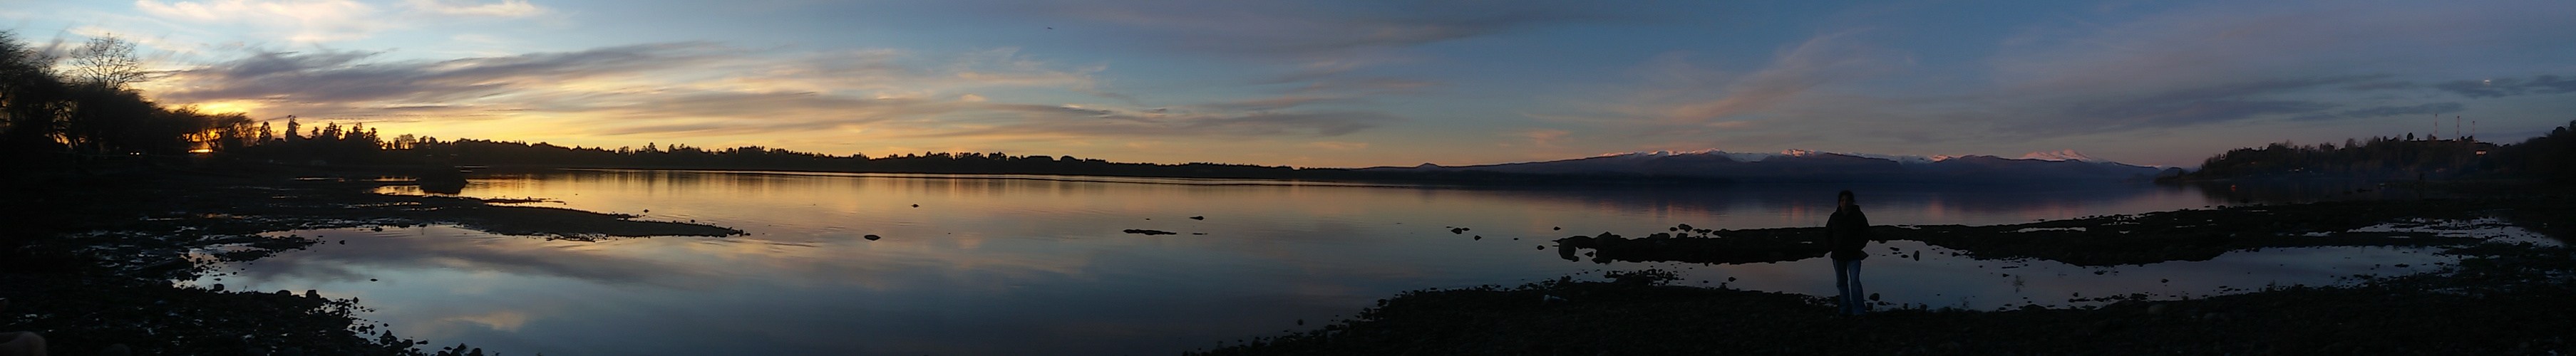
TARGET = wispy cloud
(1545,138)
(2386,111)
(1677,97)
(710,90)
(2497,88)
(308,21)
(1310,29)
(1338,145)
(1071,121)
(505,8)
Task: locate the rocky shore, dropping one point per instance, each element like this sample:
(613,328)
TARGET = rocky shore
(2182,235)
(2500,299)
(89,258)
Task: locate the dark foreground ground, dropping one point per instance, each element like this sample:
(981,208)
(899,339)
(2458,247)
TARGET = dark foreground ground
(87,259)
(2499,300)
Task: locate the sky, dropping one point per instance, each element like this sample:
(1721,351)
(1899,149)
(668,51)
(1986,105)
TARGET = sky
(1362,83)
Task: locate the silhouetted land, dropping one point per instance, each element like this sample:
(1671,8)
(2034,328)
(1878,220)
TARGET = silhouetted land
(2393,158)
(91,256)
(2182,235)
(2499,301)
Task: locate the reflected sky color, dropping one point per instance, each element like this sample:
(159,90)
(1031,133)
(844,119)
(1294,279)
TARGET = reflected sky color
(1015,265)
(1356,83)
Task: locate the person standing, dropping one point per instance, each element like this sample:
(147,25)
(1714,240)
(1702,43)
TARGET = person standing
(1845,233)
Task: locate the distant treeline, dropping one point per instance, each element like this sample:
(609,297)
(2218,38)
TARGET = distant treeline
(2548,157)
(356,147)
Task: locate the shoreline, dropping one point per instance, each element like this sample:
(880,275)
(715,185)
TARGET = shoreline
(2101,241)
(2499,299)
(177,213)
(91,259)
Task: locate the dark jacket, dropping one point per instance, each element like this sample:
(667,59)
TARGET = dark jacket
(1846,232)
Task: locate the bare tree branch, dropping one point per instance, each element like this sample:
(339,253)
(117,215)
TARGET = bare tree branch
(106,61)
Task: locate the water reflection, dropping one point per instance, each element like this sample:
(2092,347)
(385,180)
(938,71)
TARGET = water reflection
(1034,265)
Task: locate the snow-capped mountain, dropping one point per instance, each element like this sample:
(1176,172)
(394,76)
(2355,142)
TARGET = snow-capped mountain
(1814,166)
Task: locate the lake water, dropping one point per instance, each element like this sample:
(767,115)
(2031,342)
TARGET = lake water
(1007,265)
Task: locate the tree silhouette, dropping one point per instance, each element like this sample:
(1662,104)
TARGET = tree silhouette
(106,61)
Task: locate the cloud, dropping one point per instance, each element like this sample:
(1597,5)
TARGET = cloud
(1305,29)
(2385,111)
(2089,113)
(1818,61)
(2133,78)
(505,8)
(1338,145)
(2498,88)
(1074,121)
(1677,97)
(325,76)
(310,21)
(1543,137)
(2201,65)
(707,90)
(299,21)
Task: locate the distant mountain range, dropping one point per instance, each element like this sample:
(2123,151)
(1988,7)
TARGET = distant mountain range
(1812,166)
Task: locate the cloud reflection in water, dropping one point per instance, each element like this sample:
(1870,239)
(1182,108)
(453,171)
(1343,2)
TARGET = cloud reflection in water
(1041,264)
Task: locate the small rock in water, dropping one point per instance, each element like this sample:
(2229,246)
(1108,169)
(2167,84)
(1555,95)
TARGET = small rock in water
(1480,237)
(1556,228)
(1198,218)
(219,287)
(916,205)
(371,279)
(1542,247)
(872,237)
(1149,232)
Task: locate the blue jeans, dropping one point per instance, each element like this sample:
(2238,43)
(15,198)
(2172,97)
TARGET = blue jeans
(1847,282)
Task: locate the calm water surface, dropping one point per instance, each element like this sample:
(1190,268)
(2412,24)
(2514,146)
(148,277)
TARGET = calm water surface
(1000,265)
